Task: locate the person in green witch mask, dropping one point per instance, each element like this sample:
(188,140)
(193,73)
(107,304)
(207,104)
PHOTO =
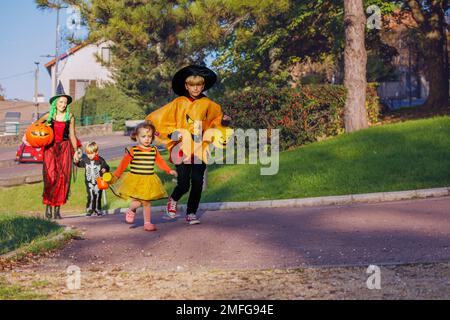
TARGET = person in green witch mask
(59,155)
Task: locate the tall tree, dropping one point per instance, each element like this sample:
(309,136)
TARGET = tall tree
(249,42)
(430,17)
(355,66)
(143,39)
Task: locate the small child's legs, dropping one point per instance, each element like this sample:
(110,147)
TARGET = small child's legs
(147,212)
(148,226)
(134,205)
(131,212)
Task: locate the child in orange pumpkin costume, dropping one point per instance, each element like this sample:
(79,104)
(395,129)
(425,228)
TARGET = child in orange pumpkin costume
(192,113)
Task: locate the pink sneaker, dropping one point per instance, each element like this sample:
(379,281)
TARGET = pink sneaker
(129,216)
(149,226)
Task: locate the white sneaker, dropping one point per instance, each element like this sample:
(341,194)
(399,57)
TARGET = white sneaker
(171,209)
(192,219)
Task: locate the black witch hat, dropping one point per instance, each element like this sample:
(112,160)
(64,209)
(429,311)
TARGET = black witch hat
(179,79)
(60,93)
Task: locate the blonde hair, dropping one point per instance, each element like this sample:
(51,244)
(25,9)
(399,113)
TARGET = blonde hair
(195,80)
(91,148)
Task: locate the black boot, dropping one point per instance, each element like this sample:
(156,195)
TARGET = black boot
(48,212)
(56,214)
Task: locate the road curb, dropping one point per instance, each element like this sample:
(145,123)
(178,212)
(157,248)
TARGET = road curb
(311,202)
(20,180)
(7,163)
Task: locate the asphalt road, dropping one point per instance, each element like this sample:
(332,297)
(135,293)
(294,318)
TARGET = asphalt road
(111,147)
(413,231)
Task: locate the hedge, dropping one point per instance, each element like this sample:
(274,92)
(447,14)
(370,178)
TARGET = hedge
(110,102)
(303,115)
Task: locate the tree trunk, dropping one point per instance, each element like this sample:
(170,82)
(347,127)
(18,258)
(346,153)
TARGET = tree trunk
(355,57)
(431,21)
(436,63)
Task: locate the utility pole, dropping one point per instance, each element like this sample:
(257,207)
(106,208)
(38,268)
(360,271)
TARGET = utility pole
(55,75)
(36,91)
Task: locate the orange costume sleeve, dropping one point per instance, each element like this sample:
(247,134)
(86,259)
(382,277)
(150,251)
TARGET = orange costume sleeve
(161,163)
(124,163)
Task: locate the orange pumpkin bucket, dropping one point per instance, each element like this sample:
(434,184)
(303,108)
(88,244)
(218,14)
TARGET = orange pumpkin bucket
(102,185)
(39,135)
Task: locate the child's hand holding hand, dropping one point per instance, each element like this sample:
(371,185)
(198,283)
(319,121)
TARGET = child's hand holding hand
(113,180)
(24,140)
(78,155)
(173,173)
(176,136)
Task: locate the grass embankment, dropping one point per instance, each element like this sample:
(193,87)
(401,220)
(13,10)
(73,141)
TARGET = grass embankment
(18,230)
(23,238)
(402,156)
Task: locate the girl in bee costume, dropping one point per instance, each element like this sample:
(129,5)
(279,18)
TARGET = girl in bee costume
(141,185)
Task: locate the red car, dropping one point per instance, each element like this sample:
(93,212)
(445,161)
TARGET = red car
(28,154)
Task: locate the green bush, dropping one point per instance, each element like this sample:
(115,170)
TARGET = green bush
(303,115)
(108,101)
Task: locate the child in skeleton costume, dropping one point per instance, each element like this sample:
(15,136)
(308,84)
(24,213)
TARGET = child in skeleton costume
(95,167)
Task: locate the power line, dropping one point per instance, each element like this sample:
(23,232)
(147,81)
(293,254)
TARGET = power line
(16,75)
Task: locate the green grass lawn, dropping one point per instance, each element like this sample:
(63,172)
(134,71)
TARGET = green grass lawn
(19,230)
(409,155)
(402,156)
(15,292)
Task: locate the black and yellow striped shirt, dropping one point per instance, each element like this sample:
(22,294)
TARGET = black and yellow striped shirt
(143,162)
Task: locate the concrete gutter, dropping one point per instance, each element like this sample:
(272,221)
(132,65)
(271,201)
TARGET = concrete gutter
(310,202)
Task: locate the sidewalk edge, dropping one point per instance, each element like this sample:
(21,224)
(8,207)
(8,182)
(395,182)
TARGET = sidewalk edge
(311,202)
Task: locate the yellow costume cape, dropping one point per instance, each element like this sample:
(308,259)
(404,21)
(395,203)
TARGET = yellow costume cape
(184,115)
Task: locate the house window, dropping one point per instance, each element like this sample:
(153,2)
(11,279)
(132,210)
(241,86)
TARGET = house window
(80,88)
(106,56)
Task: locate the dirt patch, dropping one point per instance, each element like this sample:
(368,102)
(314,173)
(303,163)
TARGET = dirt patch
(424,281)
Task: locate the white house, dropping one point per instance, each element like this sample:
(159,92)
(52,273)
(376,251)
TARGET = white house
(82,66)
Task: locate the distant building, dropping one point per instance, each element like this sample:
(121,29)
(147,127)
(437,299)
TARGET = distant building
(411,86)
(82,66)
(17,114)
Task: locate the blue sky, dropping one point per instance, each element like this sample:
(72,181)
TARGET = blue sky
(26,34)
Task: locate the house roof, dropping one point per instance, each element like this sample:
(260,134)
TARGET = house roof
(64,55)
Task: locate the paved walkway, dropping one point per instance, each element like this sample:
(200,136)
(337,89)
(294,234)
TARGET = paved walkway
(360,234)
